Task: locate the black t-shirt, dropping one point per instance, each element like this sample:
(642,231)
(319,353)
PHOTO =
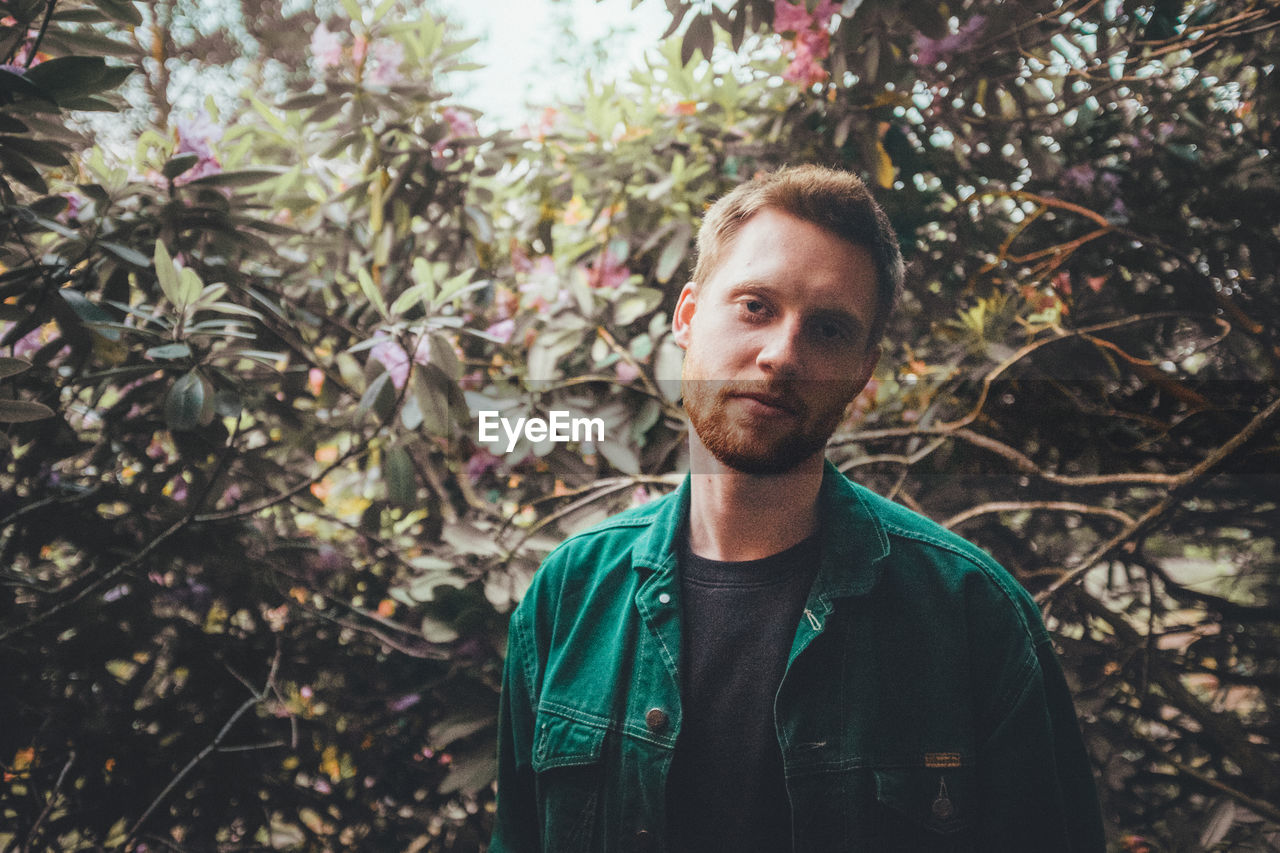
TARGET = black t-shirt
(726,789)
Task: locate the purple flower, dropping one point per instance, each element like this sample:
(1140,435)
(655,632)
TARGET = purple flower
(396,360)
(929,52)
(196,136)
(460,123)
(607,271)
(481,463)
(326,47)
(502,330)
(387,56)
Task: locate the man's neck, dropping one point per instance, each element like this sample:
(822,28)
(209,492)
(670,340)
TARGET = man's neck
(735,516)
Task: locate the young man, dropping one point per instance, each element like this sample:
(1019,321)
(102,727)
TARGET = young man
(773,658)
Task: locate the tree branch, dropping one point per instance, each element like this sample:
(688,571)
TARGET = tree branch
(1153,515)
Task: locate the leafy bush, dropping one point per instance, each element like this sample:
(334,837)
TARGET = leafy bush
(260,560)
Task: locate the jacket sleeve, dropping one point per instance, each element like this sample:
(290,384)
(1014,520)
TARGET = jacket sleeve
(516,827)
(1038,791)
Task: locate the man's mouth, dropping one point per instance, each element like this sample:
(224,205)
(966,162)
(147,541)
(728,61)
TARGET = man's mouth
(773,401)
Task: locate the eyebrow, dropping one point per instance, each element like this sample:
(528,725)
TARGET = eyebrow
(839,315)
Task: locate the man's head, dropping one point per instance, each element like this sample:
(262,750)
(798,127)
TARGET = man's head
(781,326)
(836,201)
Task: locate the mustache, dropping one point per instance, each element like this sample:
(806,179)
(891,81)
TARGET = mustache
(780,394)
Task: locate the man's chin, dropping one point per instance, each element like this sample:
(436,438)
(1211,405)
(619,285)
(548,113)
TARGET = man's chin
(763,462)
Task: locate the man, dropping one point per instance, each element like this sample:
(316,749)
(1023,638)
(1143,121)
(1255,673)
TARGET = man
(772,658)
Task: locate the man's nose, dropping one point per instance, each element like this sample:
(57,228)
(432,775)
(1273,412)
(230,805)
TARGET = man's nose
(780,353)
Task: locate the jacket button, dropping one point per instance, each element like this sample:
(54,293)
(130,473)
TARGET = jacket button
(656,719)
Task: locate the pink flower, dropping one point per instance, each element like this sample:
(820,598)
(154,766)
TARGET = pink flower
(460,123)
(359,50)
(326,47)
(196,136)
(795,18)
(929,52)
(626,372)
(396,360)
(481,463)
(606,271)
(502,330)
(790,17)
(387,55)
(810,47)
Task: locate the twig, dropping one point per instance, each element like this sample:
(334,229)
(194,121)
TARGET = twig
(48,807)
(1253,804)
(215,744)
(44,27)
(1149,518)
(1050,506)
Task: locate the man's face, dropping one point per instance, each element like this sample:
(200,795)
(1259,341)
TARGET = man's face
(776,342)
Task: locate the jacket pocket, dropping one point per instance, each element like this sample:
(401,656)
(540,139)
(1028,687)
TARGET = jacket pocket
(567,757)
(926,809)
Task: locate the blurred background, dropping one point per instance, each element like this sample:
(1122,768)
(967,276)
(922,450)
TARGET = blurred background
(262,263)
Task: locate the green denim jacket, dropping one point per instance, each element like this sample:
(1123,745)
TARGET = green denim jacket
(922,708)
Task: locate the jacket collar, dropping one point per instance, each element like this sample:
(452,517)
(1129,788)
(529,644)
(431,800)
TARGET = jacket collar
(854,541)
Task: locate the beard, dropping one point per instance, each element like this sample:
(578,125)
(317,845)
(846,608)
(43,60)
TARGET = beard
(761,444)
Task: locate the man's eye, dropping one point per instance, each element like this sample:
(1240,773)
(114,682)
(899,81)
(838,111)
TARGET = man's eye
(831,331)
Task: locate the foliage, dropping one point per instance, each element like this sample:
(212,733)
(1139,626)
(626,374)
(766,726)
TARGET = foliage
(261,562)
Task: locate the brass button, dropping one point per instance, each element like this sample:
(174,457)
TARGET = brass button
(656,720)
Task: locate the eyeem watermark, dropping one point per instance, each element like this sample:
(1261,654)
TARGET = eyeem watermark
(558,427)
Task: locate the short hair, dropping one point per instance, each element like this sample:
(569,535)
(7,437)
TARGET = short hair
(834,200)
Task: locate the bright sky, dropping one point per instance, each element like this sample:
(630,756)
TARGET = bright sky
(529,60)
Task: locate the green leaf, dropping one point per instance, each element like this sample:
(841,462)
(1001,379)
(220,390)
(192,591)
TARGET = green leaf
(67,77)
(22,411)
(240,178)
(12,366)
(401,478)
(22,171)
(189,403)
(120,10)
(379,397)
(371,292)
(44,153)
(125,253)
(437,630)
(189,287)
(635,305)
(167,274)
(673,253)
(177,165)
(169,351)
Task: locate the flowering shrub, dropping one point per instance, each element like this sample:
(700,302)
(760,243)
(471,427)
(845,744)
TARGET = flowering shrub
(261,560)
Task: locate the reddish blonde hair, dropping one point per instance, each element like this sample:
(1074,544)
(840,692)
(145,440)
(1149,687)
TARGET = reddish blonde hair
(837,201)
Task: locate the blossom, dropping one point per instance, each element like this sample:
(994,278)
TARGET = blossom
(810,47)
(930,52)
(387,56)
(626,372)
(502,330)
(326,47)
(607,271)
(196,135)
(461,123)
(812,42)
(393,357)
(481,463)
(795,17)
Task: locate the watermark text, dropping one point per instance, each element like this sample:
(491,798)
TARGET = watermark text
(558,426)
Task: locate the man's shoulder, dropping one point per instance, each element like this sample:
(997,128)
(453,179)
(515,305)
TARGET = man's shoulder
(914,531)
(608,544)
(920,544)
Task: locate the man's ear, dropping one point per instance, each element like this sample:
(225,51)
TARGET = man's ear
(686,304)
